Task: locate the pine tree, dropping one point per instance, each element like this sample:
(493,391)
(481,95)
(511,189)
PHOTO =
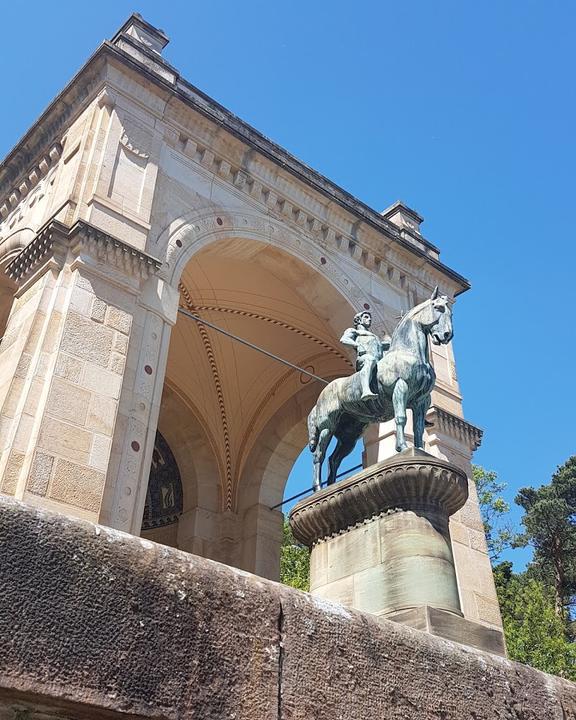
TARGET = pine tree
(550,527)
(535,635)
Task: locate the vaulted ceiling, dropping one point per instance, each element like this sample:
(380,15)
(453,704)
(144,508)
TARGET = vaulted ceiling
(267,297)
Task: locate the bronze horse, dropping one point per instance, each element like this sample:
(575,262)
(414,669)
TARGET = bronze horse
(404,378)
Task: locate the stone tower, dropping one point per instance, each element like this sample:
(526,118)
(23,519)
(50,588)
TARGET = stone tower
(133,194)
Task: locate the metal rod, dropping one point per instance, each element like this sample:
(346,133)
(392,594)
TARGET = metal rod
(250,345)
(305,492)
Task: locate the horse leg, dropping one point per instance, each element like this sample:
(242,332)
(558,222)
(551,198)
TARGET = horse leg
(343,448)
(323,441)
(399,402)
(419,419)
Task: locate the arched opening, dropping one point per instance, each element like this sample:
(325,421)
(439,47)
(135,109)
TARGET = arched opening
(164,502)
(245,411)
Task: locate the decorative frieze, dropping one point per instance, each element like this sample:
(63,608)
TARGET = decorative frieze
(54,240)
(366,247)
(456,427)
(401,482)
(16,194)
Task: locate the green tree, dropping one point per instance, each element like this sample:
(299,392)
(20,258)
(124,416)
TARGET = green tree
(535,635)
(550,527)
(494,509)
(294,561)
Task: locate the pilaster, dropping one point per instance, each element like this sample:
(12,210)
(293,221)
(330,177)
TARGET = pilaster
(452,438)
(63,364)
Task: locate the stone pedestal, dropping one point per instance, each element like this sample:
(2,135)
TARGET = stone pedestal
(380,542)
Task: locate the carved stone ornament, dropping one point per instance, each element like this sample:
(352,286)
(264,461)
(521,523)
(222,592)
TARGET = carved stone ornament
(410,480)
(54,240)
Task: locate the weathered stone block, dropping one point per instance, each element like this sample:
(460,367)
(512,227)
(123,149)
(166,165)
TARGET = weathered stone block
(353,551)
(100,452)
(87,339)
(119,320)
(488,609)
(117,363)
(52,336)
(101,381)
(88,601)
(77,485)
(478,540)
(120,344)
(98,312)
(40,473)
(68,402)
(109,625)
(458,532)
(12,472)
(69,367)
(64,439)
(13,397)
(101,414)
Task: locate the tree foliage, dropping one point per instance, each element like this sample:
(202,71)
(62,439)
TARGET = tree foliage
(550,527)
(294,561)
(499,530)
(535,635)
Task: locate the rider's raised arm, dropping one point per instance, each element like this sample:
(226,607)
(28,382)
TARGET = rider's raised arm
(349,337)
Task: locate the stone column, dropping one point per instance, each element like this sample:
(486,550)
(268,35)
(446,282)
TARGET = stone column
(450,437)
(63,365)
(380,542)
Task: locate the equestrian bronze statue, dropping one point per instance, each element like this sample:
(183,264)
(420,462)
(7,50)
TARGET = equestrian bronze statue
(398,378)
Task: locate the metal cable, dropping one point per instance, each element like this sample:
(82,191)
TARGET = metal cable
(309,490)
(197,318)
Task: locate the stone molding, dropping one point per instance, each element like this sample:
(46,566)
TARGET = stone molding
(365,228)
(55,239)
(363,246)
(17,193)
(208,349)
(456,427)
(408,480)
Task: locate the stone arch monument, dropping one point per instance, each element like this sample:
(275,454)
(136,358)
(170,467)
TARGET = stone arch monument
(135,194)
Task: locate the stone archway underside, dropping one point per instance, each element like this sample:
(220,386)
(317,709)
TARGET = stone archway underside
(266,296)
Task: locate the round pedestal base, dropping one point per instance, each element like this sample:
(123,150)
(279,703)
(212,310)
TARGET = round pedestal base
(380,540)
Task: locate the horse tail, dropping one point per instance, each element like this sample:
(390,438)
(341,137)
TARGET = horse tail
(312,430)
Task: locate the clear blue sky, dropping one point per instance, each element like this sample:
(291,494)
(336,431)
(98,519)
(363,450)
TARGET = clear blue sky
(464,110)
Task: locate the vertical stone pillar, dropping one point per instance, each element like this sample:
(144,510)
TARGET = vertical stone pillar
(63,365)
(451,438)
(263,531)
(139,407)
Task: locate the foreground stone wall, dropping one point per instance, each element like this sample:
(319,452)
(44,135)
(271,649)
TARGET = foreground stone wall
(96,623)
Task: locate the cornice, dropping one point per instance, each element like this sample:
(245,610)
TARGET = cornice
(54,240)
(456,427)
(412,480)
(48,129)
(159,73)
(33,176)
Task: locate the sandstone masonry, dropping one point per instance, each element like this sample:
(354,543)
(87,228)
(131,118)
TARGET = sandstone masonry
(95,623)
